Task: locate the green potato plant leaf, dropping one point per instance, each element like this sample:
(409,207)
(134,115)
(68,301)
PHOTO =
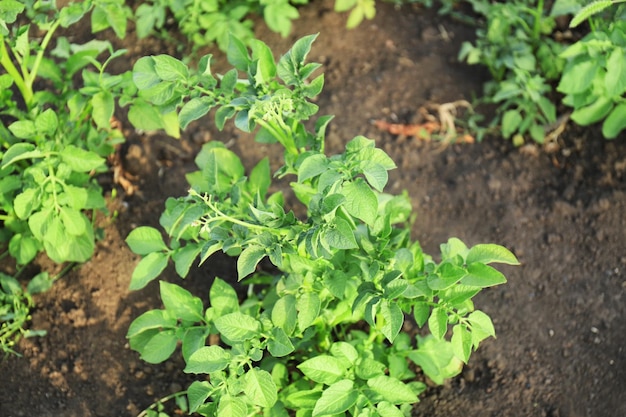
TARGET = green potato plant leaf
(223,297)
(148,269)
(151,320)
(237,326)
(159,347)
(284,313)
(436,359)
(279,344)
(592,113)
(481,326)
(303,399)
(181,303)
(461,342)
(341,236)
(194,109)
(184,258)
(260,388)
(20,151)
(23,129)
(144,240)
(278,16)
(168,68)
(249,259)
(337,398)
(392,390)
(393,320)
(361,202)
(481,275)
(438,322)
(614,122)
(232,406)
(308,306)
(197,393)
(490,253)
(207,359)
(325,369)
(592,80)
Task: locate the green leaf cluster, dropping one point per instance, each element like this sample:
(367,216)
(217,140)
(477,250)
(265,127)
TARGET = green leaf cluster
(56,139)
(515,45)
(319,331)
(591,9)
(172,95)
(15,306)
(359,10)
(214,21)
(594,78)
(56,106)
(530,67)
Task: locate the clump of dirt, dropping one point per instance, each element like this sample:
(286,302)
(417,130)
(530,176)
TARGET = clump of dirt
(559,319)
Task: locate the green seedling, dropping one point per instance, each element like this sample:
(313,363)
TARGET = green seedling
(15,306)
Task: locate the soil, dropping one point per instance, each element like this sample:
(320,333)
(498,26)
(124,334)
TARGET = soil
(560,319)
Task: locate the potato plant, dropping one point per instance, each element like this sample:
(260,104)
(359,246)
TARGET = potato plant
(15,305)
(523,60)
(56,104)
(56,137)
(314,327)
(530,67)
(593,79)
(213,21)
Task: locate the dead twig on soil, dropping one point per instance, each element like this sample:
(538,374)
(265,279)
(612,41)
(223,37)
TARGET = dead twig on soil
(442,126)
(121,177)
(553,132)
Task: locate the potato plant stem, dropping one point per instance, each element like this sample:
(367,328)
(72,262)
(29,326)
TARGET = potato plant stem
(26,79)
(225,217)
(160,401)
(280,133)
(7,64)
(30,78)
(538,14)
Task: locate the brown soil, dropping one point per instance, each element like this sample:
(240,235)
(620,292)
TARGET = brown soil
(561,319)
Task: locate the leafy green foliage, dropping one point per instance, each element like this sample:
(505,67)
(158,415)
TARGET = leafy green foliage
(56,139)
(321,334)
(55,134)
(529,66)
(15,305)
(593,79)
(359,9)
(523,60)
(213,21)
(591,9)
